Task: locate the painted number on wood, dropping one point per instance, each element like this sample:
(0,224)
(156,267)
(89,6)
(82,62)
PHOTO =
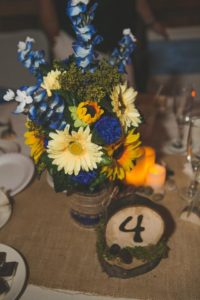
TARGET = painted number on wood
(137,230)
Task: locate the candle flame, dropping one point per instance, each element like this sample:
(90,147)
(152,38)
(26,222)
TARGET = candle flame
(193,93)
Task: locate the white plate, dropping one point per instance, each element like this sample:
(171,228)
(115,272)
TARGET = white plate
(16,171)
(5,213)
(18,282)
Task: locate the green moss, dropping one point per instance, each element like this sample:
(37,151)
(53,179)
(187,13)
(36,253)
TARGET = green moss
(146,254)
(90,86)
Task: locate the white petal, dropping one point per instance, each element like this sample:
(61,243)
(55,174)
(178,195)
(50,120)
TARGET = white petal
(20,108)
(127,31)
(29,39)
(29,99)
(21,46)
(10,95)
(75,2)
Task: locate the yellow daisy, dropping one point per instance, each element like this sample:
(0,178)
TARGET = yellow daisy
(35,139)
(123,99)
(50,82)
(74,152)
(89,112)
(123,156)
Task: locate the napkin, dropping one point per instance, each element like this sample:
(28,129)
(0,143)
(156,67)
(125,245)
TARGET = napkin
(5,208)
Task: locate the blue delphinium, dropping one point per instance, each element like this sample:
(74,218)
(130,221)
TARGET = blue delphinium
(34,102)
(108,129)
(121,55)
(86,38)
(47,112)
(31,60)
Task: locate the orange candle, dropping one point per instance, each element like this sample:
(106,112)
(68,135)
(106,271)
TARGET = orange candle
(156,176)
(137,176)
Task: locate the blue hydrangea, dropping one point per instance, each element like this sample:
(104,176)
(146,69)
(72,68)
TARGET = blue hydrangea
(108,129)
(84,178)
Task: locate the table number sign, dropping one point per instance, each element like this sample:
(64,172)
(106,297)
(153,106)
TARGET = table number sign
(132,239)
(134,226)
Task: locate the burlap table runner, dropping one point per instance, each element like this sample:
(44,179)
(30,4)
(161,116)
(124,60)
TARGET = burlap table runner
(61,255)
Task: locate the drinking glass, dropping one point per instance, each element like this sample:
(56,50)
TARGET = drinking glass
(182,108)
(193,157)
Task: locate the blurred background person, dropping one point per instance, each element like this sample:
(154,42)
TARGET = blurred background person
(111,18)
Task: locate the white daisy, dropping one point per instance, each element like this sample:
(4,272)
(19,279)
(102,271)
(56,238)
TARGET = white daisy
(123,99)
(74,152)
(50,82)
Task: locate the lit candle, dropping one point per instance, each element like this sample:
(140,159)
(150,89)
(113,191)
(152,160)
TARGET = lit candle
(137,176)
(156,176)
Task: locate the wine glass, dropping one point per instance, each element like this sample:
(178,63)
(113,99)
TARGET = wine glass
(193,158)
(182,108)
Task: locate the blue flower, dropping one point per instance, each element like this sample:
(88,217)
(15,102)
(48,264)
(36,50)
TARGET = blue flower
(86,38)
(84,177)
(43,110)
(29,58)
(121,55)
(108,129)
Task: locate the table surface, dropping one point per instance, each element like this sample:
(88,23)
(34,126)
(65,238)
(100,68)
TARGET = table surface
(62,255)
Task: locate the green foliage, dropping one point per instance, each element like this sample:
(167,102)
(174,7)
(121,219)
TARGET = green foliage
(64,182)
(40,167)
(98,183)
(92,86)
(149,253)
(61,181)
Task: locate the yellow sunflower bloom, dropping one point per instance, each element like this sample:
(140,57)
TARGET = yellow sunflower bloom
(74,152)
(89,112)
(123,99)
(50,82)
(123,155)
(35,140)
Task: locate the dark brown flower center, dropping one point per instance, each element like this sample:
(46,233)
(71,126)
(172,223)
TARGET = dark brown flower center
(90,110)
(118,152)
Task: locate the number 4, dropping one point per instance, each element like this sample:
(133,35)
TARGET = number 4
(138,228)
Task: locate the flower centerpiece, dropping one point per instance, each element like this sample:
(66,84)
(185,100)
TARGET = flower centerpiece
(81,115)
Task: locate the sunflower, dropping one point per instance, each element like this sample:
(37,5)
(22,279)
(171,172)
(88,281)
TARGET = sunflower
(74,152)
(123,156)
(123,99)
(35,139)
(89,112)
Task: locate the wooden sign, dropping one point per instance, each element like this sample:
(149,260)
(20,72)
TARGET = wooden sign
(132,239)
(134,226)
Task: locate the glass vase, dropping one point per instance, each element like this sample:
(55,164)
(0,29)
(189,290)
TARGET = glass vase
(86,209)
